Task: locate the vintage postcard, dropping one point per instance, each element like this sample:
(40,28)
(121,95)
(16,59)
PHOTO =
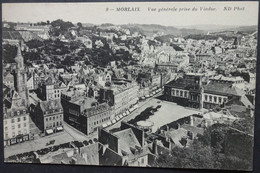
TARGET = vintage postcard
(158,84)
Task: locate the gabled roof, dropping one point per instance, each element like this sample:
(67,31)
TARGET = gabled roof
(50,105)
(127,141)
(222,89)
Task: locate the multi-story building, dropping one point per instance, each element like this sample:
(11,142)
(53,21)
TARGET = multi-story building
(121,95)
(48,116)
(16,119)
(185,91)
(217,93)
(85,113)
(127,147)
(52,89)
(189,91)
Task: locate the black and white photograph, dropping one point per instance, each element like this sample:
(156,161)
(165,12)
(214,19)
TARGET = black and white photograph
(158,84)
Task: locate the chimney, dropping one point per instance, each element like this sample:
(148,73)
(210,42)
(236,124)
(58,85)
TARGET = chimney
(84,156)
(155,147)
(105,146)
(179,126)
(191,120)
(73,160)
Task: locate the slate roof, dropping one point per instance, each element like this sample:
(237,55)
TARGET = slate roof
(182,84)
(176,135)
(90,151)
(222,89)
(110,157)
(50,106)
(127,140)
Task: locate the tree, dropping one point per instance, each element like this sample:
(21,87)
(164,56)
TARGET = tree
(9,53)
(79,24)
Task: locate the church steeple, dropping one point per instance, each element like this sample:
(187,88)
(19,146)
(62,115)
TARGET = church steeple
(19,58)
(20,76)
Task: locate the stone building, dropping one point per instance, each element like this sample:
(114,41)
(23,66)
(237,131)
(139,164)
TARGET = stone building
(48,116)
(15,120)
(85,113)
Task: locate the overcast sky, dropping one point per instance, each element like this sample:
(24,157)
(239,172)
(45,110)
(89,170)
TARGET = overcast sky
(96,13)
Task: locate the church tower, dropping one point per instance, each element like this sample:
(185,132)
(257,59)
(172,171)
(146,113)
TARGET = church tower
(20,77)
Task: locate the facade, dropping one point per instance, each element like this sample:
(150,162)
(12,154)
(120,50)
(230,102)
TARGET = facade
(85,113)
(185,91)
(8,80)
(48,116)
(189,91)
(16,120)
(122,97)
(52,90)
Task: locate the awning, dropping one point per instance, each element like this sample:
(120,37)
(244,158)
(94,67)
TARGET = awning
(131,109)
(124,114)
(120,116)
(49,131)
(127,112)
(60,128)
(109,123)
(117,118)
(113,121)
(104,125)
(153,92)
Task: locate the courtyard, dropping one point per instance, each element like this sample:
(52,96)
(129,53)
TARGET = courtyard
(167,113)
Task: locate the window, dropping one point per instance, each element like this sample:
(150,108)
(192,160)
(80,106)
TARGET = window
(6,128)
(215,99)
(206,97)
(18,112)
(18,119)
(219,99)
(13,134)
(225,100)
(50,118)
(46,119)
(53,124)
(142,161)
(24,111)
(24,118)
(24,125)
(173,92)
(12,121)
(19,132)
(177,92)
(13,127)
(57,124)
(6,135)
(53,118)
(185,93)
(60,123)
(181,93)
(210,98)
(19,126)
